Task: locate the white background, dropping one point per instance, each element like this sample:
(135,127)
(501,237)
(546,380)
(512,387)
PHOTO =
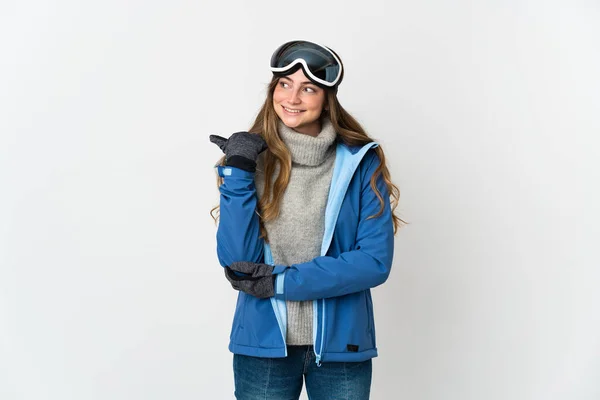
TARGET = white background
(488,113)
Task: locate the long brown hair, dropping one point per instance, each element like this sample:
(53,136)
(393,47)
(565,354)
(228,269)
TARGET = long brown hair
(349,131)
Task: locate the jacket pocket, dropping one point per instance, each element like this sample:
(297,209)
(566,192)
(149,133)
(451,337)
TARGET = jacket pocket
(349,323)
(370,311)
(371,318)
(238,316)
(257,325)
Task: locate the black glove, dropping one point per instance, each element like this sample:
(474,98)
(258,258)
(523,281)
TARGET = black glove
(255,279)
(241,149)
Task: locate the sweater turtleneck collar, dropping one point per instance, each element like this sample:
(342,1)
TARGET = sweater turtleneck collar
(306,149)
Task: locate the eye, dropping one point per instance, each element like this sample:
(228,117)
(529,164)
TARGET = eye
(282,84)
(311,90)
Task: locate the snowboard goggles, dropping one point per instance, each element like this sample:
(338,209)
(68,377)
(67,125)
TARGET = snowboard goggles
(319,63)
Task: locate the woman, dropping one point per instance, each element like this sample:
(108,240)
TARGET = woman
(306,229)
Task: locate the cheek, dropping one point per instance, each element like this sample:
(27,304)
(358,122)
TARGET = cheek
(277,96)
(317,103)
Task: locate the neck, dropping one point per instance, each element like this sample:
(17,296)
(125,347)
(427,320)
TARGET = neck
(308,149)
(311,130)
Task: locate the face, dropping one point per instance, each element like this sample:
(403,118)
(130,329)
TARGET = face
(298,102)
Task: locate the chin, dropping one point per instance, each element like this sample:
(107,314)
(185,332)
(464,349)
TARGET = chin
(291,124)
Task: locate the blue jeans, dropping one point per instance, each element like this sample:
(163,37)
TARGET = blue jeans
(281,378)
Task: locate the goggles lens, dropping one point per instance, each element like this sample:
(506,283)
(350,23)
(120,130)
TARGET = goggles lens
(320,61)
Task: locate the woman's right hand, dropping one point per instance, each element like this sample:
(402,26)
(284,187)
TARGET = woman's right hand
(241,149)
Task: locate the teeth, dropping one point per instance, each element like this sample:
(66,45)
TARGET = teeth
(293,111)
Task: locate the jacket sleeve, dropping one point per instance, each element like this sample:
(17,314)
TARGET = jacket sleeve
(366,266)
(239,230)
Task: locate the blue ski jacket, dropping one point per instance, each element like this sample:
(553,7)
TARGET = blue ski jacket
(356,255)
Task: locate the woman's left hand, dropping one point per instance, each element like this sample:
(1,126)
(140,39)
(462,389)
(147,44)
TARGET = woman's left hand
(256,279)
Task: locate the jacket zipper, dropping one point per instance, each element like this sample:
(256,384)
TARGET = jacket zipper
(319,354)
(274,302)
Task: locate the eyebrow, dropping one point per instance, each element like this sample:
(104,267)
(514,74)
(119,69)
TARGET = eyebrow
(305,82)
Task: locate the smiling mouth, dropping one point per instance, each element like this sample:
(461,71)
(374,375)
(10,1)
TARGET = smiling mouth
(292,111)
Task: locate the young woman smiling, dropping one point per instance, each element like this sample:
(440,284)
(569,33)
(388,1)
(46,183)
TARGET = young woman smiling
(306,229)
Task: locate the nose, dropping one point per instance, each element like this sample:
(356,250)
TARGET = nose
(294,97)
